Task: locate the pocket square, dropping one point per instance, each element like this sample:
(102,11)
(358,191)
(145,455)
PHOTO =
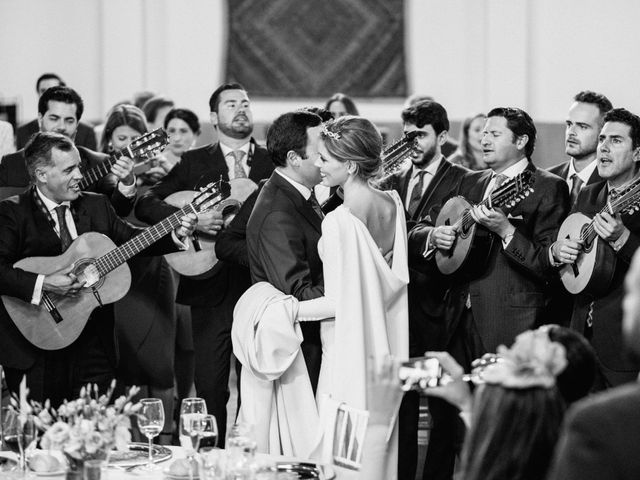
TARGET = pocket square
(516,217)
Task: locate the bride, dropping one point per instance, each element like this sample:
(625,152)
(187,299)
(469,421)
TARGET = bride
(364,253)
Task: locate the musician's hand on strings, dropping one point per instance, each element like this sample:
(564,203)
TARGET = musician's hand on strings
(608,227)
(493,219)
(187,225)
(62,282)
(123,169)
(442,237)
(210,222)
(566,250)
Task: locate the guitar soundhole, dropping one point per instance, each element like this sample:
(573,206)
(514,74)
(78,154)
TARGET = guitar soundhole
(86,270)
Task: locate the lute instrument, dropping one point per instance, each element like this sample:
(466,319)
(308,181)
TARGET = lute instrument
(472,246)
(59,319)
(593,270)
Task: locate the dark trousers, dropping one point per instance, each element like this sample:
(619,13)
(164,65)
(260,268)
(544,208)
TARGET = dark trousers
(447,433)
(408,435)
(60,374)
(213,350)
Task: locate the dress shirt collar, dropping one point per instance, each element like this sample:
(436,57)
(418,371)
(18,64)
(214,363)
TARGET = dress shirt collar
(515,169)
(50,204)
(431,169)
(584,175)
(226,150)
(304,191)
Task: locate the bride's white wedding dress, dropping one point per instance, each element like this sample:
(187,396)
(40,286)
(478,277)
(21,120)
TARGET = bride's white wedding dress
(366,292)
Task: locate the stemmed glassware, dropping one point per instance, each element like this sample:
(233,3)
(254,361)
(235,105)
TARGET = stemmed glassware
(150,423)
(192,411)
(208,434)
(18,432)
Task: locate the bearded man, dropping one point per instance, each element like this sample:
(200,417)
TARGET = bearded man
(236,155)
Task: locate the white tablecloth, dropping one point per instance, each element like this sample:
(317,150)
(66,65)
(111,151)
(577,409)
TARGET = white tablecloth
(120,474)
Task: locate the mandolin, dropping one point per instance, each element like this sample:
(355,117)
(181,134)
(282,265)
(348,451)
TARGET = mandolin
(593,270)
(472,245)
(141,150)
(60,319)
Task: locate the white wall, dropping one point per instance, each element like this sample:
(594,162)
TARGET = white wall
(469,54)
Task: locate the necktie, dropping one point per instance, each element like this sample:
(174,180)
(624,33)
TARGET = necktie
(416,193)
(238,169)
(315,205)
(575,187)
(65,235)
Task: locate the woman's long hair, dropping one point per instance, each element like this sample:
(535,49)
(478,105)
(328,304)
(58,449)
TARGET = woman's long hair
(514,433)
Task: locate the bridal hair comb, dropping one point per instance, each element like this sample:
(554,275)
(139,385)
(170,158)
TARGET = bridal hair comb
(325,131)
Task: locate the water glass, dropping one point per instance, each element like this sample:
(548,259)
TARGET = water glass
(208,434)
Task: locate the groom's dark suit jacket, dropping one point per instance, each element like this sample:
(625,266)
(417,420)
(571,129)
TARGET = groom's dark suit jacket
(282,239)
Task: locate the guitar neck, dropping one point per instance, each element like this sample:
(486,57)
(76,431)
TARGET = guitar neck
(394,155)
(149,236)
(94,174)
(496,199)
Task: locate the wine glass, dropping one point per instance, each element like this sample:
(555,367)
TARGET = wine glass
(150,423)
(191,411)
(18,431)
(208,433)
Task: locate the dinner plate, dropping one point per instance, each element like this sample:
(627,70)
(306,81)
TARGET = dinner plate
(55,473)
(7,463)
(138,454)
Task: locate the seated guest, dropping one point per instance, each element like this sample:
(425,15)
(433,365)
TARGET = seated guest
(59,110)
(598,438)
(84,136)
(183,128)
(469,153)
(156,109)
(340,105)
(44,221)
(124,124)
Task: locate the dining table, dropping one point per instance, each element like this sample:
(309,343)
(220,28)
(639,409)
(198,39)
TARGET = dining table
(115,472)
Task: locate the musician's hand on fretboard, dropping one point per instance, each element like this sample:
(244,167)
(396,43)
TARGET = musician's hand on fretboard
(608,227)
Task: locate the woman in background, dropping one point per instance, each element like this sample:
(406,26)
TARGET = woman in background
(146,317)
(340,105)
(469,153)
(183,128)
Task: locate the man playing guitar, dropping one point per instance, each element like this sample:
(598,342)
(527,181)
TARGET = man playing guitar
(599,317)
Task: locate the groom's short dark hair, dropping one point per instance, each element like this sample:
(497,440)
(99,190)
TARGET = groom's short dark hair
(289,132)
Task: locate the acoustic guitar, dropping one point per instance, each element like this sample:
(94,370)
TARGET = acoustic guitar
(200,259)
(593,270)
(472,246)
(60,319)
(141,150)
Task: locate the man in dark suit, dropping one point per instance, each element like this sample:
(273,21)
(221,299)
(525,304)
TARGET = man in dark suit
(284,227)
(583,125)
(599,436)
(510,294)
(599,317)
(423,186)
(85,136)
(59,110)
(43,221)
(236,156)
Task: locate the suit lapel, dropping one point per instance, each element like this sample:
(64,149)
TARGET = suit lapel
(44,228)
(301,205)
(81,217)
(595,177)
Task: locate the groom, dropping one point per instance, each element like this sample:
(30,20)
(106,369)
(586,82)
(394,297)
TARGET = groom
(284,227)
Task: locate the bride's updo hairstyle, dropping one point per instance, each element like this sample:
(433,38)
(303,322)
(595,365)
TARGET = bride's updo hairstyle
(357,140)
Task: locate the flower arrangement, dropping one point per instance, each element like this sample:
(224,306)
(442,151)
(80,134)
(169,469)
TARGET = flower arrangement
(532,361)
(89,426)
